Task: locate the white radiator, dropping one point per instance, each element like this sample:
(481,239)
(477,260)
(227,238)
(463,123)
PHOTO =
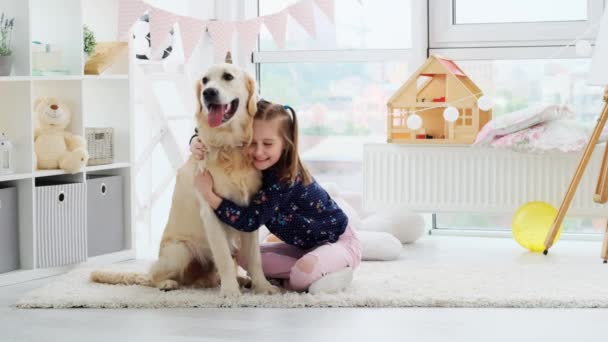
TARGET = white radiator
(475,180)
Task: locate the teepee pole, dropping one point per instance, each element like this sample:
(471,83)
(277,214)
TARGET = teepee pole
(563,209)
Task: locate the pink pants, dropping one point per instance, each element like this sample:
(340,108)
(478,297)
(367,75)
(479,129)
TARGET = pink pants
(303,267)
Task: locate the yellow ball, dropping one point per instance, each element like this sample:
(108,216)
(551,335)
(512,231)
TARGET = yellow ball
(531,225)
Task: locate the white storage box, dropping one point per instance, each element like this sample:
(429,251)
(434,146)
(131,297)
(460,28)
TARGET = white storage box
(9,230)
(60,224)
(105,215)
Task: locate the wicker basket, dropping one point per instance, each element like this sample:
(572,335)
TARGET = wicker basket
(100,144)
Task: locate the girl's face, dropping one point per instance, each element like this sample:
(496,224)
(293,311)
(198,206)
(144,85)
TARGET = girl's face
(267,145)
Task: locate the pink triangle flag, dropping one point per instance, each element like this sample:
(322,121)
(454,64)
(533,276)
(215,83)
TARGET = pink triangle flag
(161,23)
(191,30)
(129,12)
(277,26)
(327,6)
(303,13)
(221,37)
(248,34)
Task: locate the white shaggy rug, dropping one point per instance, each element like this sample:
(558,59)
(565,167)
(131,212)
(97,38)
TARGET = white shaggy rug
(423,277)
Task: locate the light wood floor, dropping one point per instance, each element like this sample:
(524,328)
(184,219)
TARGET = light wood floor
(407,324)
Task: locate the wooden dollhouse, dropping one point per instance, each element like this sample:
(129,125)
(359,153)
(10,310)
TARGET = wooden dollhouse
(438,84)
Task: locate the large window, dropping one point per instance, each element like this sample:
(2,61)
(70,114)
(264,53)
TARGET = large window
(516,51)
(521,54)
(339,83)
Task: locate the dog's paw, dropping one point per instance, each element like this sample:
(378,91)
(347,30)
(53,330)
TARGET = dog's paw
(168,285)
(265,287)
(230,290)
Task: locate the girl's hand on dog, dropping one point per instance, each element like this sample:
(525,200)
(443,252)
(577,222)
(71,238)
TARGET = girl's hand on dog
(203,181)
(197,148)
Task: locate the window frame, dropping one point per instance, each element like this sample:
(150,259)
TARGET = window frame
(444,33)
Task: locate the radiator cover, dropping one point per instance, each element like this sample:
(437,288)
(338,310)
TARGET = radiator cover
(474,180)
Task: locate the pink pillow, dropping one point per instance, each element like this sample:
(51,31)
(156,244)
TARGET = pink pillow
(521,119)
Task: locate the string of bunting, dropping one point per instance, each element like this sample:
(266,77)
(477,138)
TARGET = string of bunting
(221,32)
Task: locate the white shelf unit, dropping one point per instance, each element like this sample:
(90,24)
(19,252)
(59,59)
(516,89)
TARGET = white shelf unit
(95,101)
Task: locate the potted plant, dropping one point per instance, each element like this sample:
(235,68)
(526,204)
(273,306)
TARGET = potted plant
(89,42)
(6,54)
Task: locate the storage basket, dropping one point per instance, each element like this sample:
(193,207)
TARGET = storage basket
(61,236)
(105,215)
(9,230)
(100,144)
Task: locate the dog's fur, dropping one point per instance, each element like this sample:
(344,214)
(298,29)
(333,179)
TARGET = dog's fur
(196,246)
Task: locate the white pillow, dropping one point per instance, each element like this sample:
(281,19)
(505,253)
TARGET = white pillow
(405,225)
(379,246)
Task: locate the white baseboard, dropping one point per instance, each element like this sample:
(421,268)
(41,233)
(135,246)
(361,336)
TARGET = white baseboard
(21,276)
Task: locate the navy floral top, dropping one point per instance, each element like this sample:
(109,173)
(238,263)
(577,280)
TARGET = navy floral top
(302,216)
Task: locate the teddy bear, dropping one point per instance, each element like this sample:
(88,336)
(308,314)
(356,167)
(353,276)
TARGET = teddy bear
(55,147)
(382,233)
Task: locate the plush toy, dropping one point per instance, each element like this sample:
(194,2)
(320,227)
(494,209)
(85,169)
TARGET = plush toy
(55,147)
(382,233)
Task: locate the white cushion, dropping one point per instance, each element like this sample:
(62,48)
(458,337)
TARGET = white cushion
(379,246)
(403,224)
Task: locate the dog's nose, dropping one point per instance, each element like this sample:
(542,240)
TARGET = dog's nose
(210,93)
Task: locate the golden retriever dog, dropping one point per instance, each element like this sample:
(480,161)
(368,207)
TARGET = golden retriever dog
(197,249)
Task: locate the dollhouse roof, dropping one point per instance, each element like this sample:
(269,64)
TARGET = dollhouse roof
(447,67)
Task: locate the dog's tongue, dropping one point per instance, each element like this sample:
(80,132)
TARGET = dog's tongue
(216,113)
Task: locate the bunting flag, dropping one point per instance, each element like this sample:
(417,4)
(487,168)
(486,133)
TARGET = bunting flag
(161,23)
(221,37)
(221,32)
(327,7)
(248,34)
(129,12)
(303,13)
(191,30)
(277,26)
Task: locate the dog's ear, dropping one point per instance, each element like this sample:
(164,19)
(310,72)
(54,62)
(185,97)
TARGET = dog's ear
(198,87)
(252,102)
(199,105)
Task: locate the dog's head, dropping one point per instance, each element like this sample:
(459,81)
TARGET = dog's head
(226,96)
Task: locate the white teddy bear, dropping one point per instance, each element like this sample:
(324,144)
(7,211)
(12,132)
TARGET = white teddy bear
(55,147)
(382,234)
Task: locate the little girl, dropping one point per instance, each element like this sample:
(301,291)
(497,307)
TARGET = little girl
(320,249)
